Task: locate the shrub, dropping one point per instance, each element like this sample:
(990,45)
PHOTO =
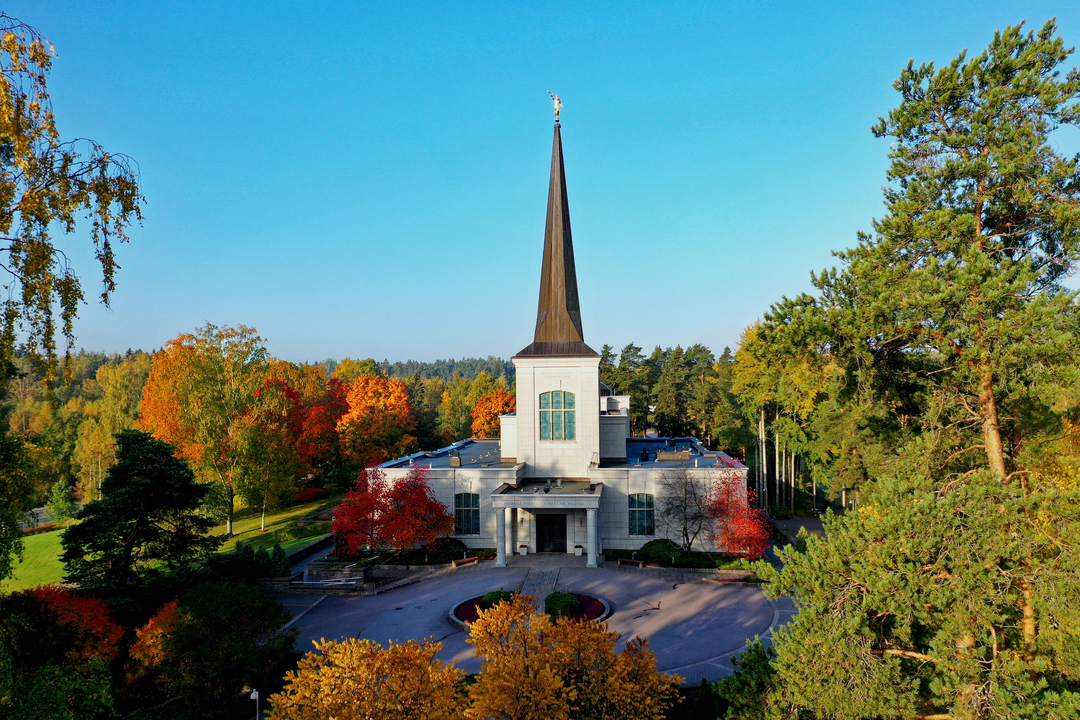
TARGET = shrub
(43,528)
(561,604)
(780,512)
(295,532)
(659,551)
(439,552)
(495,597)
(306,495)
(279,561)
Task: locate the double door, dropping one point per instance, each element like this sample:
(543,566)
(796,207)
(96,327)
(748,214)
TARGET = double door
(551,532)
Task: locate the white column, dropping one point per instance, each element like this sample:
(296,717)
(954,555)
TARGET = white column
(500,539)
(591,523)
(509,522)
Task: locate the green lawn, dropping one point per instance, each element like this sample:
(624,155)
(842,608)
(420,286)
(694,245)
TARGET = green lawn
(41,553)
(40,565)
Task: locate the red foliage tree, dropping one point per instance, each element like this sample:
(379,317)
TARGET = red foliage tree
(149,648)
(61,624)
(404,515)
(379,421)
(487,411)
(320,435)
(739,527)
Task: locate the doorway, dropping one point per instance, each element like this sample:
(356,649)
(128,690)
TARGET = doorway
(551,532)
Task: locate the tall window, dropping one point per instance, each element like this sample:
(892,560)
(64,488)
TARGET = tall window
(641,514)
(467,514)
(557,416)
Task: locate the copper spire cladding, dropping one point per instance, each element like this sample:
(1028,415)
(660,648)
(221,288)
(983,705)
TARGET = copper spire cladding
(558,315)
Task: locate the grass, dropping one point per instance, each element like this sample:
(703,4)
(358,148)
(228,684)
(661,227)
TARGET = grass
(41,553)
(246,524)
(40,565)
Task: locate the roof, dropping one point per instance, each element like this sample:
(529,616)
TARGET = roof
(558,313)
(672,453)
(474,453)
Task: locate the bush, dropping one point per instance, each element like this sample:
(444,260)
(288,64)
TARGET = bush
(43,528)
(495,597)
(306,495)
(779,512)
(659,551)
(562,604)
(440,552)
(697,560)
(279,561)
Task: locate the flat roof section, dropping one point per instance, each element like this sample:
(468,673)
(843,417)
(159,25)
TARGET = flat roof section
(671,453)
(473,453)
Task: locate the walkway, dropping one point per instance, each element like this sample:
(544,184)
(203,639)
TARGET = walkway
(693,626)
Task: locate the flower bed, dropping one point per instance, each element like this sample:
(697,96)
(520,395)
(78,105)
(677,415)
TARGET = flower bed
(469,611)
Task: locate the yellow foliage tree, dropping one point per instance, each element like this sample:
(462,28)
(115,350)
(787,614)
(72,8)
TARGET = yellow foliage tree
(537,669)
(361,680)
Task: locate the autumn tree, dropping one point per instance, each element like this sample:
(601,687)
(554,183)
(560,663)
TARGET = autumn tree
(455,412)
(361,680)
(201,388)
(269,438)
(195,656)
(488,410)
(379,421)
(320,437)
(48,184)
(538,669)
(402,515)
(737,527)
(147,515)
(349,370)
(55,646)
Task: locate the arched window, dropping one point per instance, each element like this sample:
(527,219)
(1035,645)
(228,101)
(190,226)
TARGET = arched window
(557,416)
(466,514)
(641,514)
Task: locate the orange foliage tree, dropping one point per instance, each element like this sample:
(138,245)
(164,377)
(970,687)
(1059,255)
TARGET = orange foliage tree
(535,668)
(487,411)
(201,387)
(401,516)
(379,421)
(361,680)
(739,528)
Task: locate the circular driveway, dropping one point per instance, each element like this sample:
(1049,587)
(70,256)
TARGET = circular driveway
(692,628)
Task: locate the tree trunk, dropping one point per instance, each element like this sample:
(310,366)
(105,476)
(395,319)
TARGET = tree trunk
(995,455)
(229,516)
(776,457)
(262,527)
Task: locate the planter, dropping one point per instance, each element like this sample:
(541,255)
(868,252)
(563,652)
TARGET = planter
(577,550)
(523,549)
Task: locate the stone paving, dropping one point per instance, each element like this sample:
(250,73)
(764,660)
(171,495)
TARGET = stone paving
(694,626)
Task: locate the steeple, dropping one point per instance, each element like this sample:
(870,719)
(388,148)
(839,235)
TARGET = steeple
(558,315)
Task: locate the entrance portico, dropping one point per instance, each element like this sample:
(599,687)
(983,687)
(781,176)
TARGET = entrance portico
(555,508)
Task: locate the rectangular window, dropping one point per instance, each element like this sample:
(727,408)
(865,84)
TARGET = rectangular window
(467,514)
(557,417)
(641,514)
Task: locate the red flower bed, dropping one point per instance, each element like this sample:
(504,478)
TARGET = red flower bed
(469,610)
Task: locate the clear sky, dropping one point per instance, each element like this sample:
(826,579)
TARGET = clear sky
(362,179)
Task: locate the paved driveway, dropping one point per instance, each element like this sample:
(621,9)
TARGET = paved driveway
(692,628)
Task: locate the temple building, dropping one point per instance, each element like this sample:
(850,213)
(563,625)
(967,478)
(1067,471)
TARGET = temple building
(565,475)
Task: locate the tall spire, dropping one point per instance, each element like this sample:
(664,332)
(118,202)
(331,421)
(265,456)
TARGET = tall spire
(558,315)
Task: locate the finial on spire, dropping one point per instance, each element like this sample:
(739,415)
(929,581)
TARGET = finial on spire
(558,104)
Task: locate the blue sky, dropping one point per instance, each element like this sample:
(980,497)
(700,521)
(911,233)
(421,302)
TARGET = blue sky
(370,179)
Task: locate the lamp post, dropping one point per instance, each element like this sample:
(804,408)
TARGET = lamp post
(255,697)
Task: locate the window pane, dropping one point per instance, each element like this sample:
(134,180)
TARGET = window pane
(545,401)
(556,401)
(568,401)
(648,500)
(570,430)
(545,425)
(557,422)
(650,528)
(476,501)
